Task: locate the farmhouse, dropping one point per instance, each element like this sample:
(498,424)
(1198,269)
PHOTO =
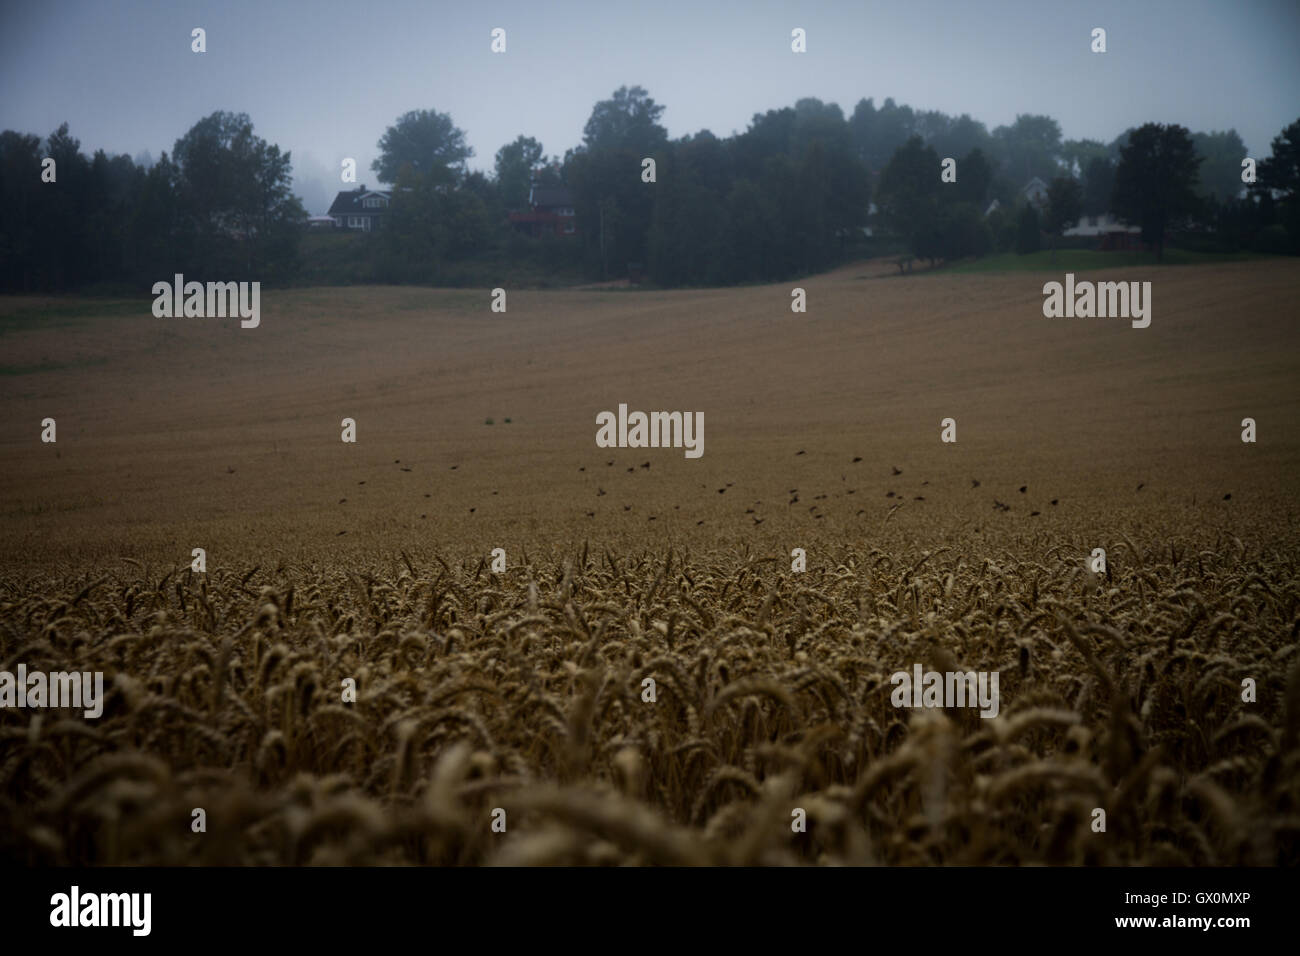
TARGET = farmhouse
(361,208)
(1035,193)
(1111,233)
(550,212)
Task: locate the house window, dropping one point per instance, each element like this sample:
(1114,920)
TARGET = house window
(359,222)
(338,221)
(374,202)
(568,229)
(566,210)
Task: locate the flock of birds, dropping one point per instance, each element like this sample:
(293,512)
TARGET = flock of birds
(752,511)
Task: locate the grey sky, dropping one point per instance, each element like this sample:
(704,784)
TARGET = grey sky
(323,79)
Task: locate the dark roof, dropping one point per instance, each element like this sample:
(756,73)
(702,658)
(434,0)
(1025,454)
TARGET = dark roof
(551,196)
(349,201)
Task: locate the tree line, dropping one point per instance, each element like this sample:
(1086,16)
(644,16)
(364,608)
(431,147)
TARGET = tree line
(794,193)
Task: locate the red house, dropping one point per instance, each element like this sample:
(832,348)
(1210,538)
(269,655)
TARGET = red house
(550,212)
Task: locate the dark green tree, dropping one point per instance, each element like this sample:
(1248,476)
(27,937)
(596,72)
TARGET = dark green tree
(963,231)
(1156,181)
(974,177)
(1064,206)
(1279,186)
(515,166)
(1219,174)
(20,227)
(1098,184)
(1029,147)
(908,197)
(629,120)
(427,141)
(234,192)
(1028,232)
(614,206)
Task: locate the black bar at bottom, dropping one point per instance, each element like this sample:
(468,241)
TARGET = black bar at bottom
(339,906)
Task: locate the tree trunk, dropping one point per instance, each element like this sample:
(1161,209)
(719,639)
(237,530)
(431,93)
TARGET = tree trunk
(604,265)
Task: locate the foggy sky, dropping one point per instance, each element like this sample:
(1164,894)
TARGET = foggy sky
(324,79)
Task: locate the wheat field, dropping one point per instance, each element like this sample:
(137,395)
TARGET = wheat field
(525,691)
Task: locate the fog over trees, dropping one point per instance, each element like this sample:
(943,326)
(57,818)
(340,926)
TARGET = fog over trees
(801,188)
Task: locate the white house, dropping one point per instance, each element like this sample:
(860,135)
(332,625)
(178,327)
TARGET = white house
(360,208)
(1035,192)
(1099,226)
